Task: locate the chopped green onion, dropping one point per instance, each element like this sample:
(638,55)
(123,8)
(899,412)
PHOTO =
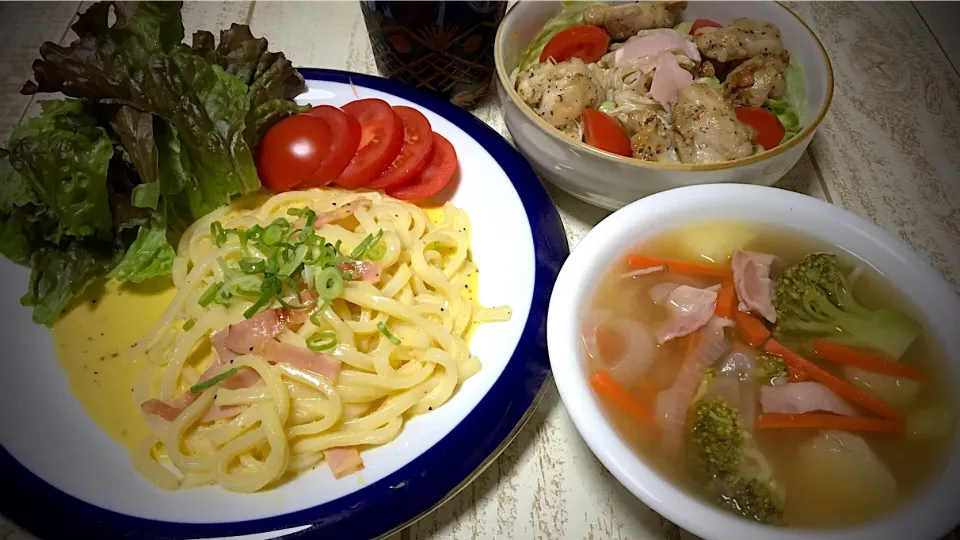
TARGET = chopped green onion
(386,331)
(377,251)
(436,245)
(189,324)
(365,245)
(294,262)
(322,341)
(209,294)
(213,380)
(271,284)
(252,266)
(217,233)
(328,283)
(262,301)
(254,233)
(315,317)
(273,234)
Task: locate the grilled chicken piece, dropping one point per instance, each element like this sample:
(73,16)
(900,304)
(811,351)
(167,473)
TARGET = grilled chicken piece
(624,20)
(707,69)
(757,79)
(707,127)
(559,92)
(651,140)
(745,38)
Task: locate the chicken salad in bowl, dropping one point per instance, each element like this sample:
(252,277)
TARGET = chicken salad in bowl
(670,90)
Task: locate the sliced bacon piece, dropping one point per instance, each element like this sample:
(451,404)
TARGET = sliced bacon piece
(343,461)
(343,212)
(245,337)
(751,277)
(161,408)
(289,316)
(283,353)
(690,309)
(365,270)
(219,341)
(803,397)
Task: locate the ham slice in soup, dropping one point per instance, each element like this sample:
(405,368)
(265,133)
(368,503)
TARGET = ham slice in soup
(661,291)
(803,397)
(751,277)
(689,310)
(668,80)
(674,402)
(343,461)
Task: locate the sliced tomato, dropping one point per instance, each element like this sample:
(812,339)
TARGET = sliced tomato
(435,175)
(702,23)
(769,130)
(345,138)
(603,132)
(417,146)
(583,41)
(381,137)
(291,151)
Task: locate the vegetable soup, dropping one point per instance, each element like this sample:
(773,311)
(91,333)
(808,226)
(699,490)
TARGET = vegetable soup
(772,375)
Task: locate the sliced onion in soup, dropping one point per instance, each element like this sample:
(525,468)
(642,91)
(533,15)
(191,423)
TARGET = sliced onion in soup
(623,345)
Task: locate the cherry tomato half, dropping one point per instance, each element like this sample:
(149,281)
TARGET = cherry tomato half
(769,129)
(345,138)
(435,175)
(416,150)
(603,132)
(291,151)
(702,23)
(583,41)
(381,137)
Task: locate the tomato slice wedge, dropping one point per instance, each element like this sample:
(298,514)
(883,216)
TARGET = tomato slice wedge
(701,23)
(291,151)
(417,146)
(345,138)
(769,129)
(583,41)
(603,132)
(435,175)
(381,137)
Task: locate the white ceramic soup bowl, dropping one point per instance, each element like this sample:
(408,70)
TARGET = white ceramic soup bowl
(611,181)
(928,516)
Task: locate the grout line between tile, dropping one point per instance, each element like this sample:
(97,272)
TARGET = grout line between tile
(956,69)
(823,183)
(249,18)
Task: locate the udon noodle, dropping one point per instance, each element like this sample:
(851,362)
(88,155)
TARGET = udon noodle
(397,339)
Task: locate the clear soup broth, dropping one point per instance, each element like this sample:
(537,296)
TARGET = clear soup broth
(814,477)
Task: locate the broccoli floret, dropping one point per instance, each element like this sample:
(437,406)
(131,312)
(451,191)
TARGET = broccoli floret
(768,367)
(750,498)
(814,299)
(717,437)
(733,471)
(709,376)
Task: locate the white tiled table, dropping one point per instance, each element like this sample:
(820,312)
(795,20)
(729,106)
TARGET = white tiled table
(888,150)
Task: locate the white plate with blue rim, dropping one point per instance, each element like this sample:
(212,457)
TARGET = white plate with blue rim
(64,477)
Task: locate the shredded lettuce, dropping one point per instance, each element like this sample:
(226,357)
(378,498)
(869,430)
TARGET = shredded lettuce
(790,107)
(607,106)
(684,27)
(570,15)
(712,82)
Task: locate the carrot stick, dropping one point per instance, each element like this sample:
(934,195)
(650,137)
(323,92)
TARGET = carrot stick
(752,328)
(796,375)
(680,267)
(830,421)
(604,385)
(852,357)
(839,386)
(726,300)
